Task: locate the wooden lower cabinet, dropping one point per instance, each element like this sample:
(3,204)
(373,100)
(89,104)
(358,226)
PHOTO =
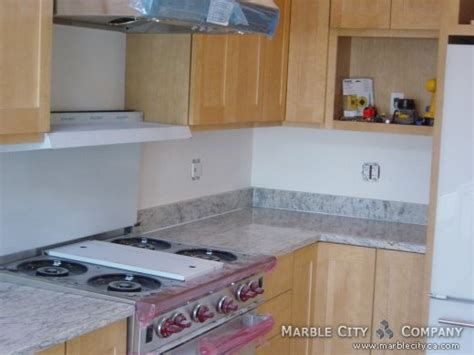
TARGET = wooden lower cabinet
(110,340)
(59,349)
(275,346)
(343,289)
(398,294)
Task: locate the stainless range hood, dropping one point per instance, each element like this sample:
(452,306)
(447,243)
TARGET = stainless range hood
(171,16)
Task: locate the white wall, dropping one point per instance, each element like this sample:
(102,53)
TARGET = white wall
(88,71)
(226,157)
(330,162)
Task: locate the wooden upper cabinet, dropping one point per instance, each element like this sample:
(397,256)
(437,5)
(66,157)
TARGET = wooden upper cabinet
(360,13)
(416,14)
(307,63)
(237,79)
(343,290)
(275,67)
(25,66)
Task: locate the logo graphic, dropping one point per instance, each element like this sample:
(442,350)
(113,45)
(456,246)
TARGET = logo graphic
(384,330)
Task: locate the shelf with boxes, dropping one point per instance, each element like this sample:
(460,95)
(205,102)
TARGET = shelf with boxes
(394,61)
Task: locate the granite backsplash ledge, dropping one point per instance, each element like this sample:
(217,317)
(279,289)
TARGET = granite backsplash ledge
(391,211)
(191,210)
(203,207)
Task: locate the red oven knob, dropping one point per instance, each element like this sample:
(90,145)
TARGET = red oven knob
(226,305)
(180,320)
(167,328)
(202,314)
(255,287)
(244,293)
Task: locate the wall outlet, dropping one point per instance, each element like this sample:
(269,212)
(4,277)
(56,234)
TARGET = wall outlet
(371,172)
(394,96)
(196,169)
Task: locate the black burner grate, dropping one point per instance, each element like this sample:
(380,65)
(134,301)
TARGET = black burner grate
(51,268)
(124,283)
(209,254)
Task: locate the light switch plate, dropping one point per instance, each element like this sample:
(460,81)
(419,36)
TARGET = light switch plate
(196,169)
(371,172)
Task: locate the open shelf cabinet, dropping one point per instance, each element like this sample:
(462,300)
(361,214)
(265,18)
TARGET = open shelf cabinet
(396,60)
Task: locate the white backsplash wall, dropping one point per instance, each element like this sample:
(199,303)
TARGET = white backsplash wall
(226,158)
(88,71)
(53,196)
(330,162)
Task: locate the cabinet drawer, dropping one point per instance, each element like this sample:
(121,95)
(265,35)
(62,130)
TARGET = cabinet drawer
(280,279)
(280,309)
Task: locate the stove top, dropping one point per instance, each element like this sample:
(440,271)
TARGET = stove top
(168,312)
(112,282)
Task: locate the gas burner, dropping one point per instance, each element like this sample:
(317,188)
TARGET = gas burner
(124,286)
(51,268)
(209,254)
(145,243)
(124,283)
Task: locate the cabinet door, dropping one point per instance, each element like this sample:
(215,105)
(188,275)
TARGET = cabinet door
(416,14)
(110,340)
(25,66)
(343,291)
(280,279)
(307,65)
(398,294)
(275,68)
(360,13)
(226,80)
(275,346)
(303,297)
(280,309)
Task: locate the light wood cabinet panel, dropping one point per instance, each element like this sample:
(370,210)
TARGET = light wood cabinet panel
(360,13)
(25,66)
(280,309)
(226,79)
(275,68)
(59,349)
(416,14)
(344,287)
(303,297)
(398,294)
(157,76)
(307,63)
(275,346)
(280,279)
(110,340)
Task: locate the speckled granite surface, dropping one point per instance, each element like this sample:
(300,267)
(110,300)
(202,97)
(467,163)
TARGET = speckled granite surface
(276,232)
(190,210)
(392,211)
(32,319)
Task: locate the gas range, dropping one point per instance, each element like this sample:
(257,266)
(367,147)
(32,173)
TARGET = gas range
(169,313)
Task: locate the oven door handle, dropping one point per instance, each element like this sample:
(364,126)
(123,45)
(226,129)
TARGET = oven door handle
(255,327)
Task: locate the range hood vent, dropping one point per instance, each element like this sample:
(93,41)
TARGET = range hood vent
(171,16)
(85,129)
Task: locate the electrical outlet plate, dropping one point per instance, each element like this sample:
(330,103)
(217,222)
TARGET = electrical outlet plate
(196,169)
(371,172)
(393,97)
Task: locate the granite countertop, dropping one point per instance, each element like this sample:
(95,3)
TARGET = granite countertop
(277,232)
(33,319)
